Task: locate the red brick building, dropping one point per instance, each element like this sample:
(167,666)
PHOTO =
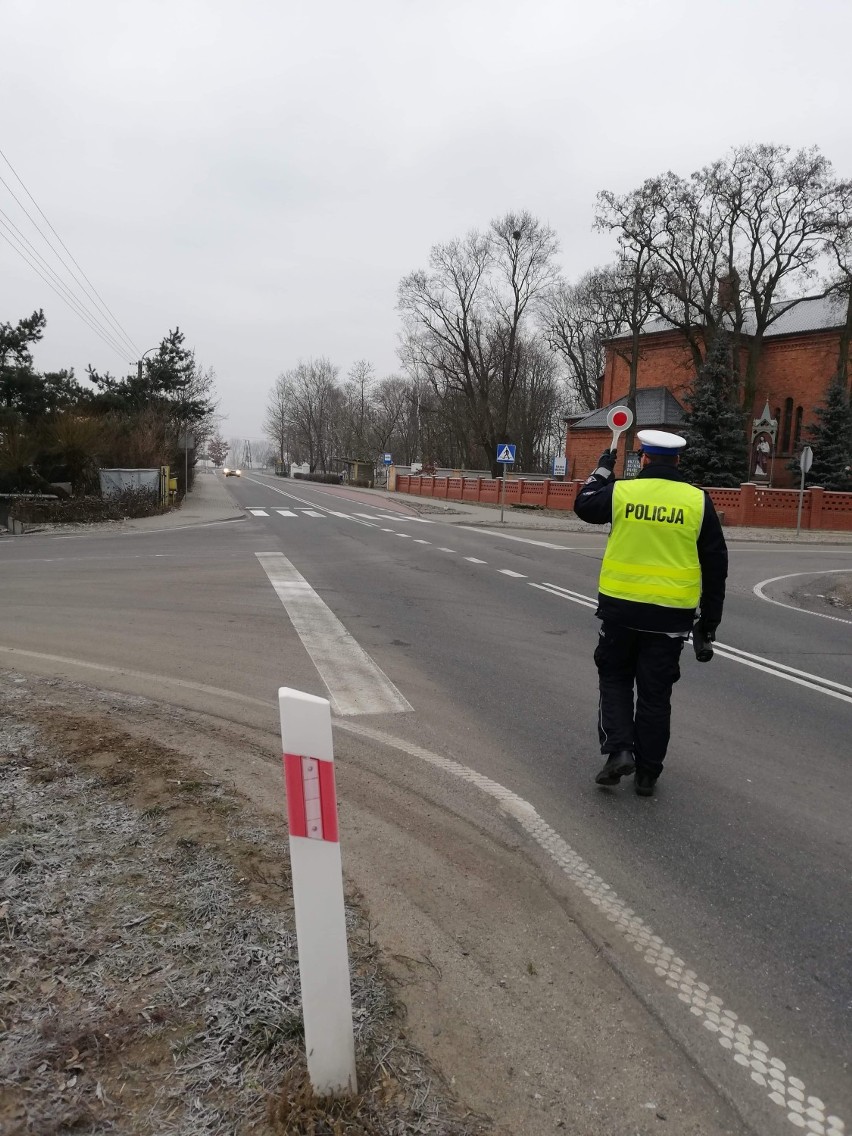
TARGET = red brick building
(798,360)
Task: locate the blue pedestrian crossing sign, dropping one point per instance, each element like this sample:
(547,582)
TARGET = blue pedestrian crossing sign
(506,454)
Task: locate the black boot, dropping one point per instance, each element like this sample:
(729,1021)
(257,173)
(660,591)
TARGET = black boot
(618,765)
(645,783)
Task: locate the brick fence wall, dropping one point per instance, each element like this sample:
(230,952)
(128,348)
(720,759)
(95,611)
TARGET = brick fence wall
(749,505)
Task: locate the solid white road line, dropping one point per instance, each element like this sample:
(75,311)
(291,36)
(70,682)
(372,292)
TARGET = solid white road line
(766,1072)
(259,512)
(757,662)
(759,592)
(522,539)
(356,685)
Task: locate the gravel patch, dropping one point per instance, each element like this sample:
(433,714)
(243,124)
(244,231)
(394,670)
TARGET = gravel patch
(148,954)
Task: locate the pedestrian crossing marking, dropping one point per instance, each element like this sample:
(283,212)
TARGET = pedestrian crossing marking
(259,512)
(285,512)
(311,513)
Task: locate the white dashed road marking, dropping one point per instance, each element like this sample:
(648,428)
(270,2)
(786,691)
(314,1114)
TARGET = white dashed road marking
(733,1035)
(420,540)
(475,560)
(509,572)
(446,550)
(356,685)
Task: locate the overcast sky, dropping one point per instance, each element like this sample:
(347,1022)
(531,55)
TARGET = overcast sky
(263,173)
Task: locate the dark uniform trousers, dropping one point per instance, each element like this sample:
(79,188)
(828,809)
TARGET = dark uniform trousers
(651,662)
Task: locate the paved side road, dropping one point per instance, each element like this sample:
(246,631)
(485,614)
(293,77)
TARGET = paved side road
(209,502)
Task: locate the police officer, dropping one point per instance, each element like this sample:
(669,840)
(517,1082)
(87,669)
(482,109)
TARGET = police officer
(665,557)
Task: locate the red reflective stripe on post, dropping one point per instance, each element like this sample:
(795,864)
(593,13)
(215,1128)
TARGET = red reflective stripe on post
(311,797)
(295,794)
(328,801)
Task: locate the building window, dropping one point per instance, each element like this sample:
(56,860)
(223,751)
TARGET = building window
(797,433)
(787,427)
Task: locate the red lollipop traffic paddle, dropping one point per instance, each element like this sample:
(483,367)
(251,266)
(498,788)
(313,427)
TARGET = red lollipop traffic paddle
(619,419)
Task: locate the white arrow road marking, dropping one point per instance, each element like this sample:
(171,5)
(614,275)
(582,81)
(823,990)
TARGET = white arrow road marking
(356,684)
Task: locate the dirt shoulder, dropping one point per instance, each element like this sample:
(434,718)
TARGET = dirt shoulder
(512,988)
(841,595)
(148,950)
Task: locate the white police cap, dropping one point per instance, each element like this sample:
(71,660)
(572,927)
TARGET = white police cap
(660,442)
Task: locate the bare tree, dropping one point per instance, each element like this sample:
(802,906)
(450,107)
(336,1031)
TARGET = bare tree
(217,449)
(538,405)
(464,318)
(276,422)
(314,401)
(579,319)
(358,395)
(635,281)
(783,210)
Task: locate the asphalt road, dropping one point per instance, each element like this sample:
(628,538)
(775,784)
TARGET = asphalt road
(738,869)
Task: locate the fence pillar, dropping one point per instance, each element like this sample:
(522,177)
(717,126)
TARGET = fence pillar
(747,507)
(815,496)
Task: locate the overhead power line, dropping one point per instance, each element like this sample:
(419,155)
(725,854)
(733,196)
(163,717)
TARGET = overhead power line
(77,305)
(123,352)
(81,279)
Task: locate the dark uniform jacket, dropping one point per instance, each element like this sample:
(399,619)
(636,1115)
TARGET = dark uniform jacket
(594,504)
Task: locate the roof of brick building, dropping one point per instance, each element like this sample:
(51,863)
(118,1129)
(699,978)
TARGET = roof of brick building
(812,313)
(655,406)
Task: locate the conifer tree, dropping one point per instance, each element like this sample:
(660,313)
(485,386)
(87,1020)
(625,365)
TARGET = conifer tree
(830,437)
(716,453)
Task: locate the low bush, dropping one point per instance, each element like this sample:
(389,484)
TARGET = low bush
(361,484)
(87,510)
(325,478)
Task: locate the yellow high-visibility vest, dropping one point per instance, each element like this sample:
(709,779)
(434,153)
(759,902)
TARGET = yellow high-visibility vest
(651,555)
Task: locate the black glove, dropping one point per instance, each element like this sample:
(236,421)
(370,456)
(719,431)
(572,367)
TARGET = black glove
(708,628)
(608,459)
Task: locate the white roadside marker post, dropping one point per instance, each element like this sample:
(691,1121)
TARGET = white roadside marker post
(318,891)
